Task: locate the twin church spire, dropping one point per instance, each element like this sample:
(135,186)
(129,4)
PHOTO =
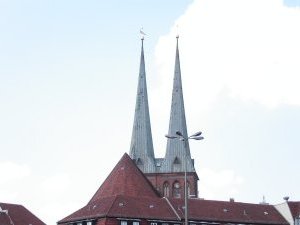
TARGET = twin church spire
(141,149)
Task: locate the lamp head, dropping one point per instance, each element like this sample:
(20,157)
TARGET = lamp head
(170,136)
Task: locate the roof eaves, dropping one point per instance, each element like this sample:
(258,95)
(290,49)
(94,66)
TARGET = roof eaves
(239,221)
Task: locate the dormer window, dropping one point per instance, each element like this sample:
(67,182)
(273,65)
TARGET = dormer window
(139,161)
(176,160)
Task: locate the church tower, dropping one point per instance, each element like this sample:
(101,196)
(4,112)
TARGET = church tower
(165,174)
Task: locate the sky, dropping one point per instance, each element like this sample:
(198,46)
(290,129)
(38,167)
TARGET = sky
(68,79)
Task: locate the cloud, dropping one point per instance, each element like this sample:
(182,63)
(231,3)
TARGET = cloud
(248,48)
(56,194)
(12,172)
(222,183)
(12,176)
(49,197)
(240,68)
(56,184)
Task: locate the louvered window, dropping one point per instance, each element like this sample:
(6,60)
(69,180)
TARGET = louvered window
(176,190)
(166,189)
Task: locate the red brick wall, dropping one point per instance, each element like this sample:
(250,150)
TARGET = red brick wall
(158,180)
(102,221)
(111,221)
(114,221)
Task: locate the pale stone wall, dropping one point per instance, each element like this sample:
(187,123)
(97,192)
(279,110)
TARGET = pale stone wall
(285,211)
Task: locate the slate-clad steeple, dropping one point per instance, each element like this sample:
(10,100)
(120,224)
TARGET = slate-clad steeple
(175,154)
(141,148)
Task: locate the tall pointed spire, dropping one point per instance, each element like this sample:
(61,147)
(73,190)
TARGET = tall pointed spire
(141,148)
(176,150)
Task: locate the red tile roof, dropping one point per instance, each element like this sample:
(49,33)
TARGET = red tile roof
(124,206)
(4,219)
(127,193)
(125,183)
(234,212)
(125,179)
(18,214)
(295,208)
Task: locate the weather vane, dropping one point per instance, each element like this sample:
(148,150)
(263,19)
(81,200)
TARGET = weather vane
(142,33)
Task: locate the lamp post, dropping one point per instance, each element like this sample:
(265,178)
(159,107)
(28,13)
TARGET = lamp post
(196,136)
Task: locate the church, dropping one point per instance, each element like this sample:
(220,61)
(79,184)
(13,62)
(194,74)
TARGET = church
(144,190)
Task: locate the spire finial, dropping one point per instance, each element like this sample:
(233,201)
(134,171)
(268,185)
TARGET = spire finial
(142,34)
(177,31)
(177,37)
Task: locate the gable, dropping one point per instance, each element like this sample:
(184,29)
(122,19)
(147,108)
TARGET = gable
(125,179)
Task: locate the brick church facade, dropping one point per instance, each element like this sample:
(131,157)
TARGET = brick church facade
(144,190)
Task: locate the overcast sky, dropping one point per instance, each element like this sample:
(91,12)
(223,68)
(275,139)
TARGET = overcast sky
(68,79)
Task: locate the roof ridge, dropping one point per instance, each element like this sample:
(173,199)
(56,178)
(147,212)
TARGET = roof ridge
(235,202)
(10,204)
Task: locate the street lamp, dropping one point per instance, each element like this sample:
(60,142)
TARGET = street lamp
(196,136)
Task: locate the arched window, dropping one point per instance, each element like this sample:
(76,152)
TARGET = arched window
(166,189)
(176,190)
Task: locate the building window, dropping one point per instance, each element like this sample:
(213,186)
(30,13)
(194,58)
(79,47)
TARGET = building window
(176,190)
(153,223)
(166,189)
(79,223)
(89,223)
(123,222)
(135,223)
